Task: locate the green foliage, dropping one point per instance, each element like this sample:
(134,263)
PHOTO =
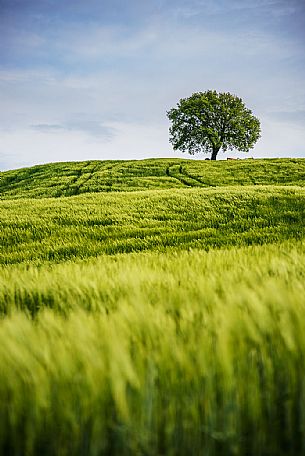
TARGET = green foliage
(210,121)
(68,179)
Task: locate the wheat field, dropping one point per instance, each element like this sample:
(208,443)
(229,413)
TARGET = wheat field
(167,321)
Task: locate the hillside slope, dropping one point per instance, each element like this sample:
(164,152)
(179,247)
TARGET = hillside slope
(60,229)
(73,178)
(153,322)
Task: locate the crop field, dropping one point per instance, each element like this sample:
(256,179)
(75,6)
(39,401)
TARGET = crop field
(67,179)
(153,319)
(58,229)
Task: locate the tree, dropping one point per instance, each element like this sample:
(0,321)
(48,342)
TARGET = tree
(210,121)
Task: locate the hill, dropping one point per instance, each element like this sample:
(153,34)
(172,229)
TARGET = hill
(60,229)
(73,178)
(153,307)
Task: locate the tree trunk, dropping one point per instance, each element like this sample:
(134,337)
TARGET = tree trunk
(215,152)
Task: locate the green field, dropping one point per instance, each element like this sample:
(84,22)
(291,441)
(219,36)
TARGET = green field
(164,318)
(67,179)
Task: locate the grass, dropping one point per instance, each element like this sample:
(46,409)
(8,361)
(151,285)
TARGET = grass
(68,179)
(89,225)
(158,322)
(189,353)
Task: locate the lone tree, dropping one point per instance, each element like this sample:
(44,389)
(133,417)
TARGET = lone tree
(210,121)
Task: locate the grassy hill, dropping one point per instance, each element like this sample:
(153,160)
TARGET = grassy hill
(168,321)
(89,225)
(73,178)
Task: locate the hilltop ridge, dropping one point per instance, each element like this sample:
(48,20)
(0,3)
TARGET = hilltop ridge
(73,178)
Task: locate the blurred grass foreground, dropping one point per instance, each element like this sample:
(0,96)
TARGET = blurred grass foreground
(153,321)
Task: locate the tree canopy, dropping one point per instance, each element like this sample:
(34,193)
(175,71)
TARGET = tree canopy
(210,121)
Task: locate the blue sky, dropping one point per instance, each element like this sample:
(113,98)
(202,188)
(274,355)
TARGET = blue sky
(93,79)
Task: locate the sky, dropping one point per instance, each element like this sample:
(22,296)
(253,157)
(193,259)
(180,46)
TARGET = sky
(93,79)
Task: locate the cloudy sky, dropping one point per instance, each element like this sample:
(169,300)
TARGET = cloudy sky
(93,79)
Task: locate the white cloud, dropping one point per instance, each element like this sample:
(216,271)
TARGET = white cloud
(222,7)
(281,139)
(90,127)
(132,141)
(294,117)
